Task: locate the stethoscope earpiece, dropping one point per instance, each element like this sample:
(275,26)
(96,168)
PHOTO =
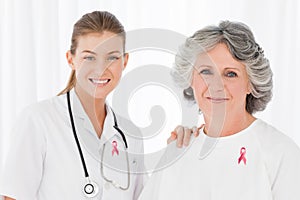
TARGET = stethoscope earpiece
(90,189)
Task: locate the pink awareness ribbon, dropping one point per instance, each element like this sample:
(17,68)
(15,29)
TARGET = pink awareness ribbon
(243,155)
(115,148)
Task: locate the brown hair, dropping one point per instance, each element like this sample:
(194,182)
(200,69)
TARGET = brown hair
(94,22)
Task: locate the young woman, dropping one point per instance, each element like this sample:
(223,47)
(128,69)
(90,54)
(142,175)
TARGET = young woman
(235,156)
(73,146)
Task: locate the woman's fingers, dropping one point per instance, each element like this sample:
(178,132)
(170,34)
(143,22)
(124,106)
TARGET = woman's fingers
(195,131)
(182,135)
(186,136)
(172,137)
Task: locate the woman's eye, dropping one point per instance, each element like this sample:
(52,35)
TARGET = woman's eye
(89,58)
(113,58)
(205,72)
(231,74)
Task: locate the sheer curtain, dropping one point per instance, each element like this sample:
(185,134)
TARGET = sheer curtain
(35,35)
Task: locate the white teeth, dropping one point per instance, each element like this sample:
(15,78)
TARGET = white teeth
(98,81)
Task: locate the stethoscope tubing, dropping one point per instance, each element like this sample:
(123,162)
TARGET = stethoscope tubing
(86,174)
(91,189)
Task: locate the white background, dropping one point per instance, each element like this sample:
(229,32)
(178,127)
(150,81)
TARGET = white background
(35,34)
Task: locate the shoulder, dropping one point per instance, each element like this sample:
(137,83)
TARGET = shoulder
(42,108)
(37,118)
(271,138)
(129,127)
(132,133)
(281,155)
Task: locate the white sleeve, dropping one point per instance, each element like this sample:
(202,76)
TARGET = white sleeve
(287,178)
(157,187)
(140,175)
(23,167)
(140,181)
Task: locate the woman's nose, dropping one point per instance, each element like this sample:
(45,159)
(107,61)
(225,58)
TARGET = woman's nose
(102,65)
(216,83)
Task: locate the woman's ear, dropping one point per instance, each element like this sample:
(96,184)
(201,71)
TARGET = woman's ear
(69,57)
(125,60)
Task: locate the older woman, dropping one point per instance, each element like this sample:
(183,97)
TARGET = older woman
(236,155)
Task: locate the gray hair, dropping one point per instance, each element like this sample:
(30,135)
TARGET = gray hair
(241,43)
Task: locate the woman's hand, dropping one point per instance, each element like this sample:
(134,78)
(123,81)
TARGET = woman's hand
(182,135)
(8,198)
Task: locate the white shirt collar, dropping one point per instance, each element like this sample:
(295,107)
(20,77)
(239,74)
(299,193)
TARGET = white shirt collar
(88,136)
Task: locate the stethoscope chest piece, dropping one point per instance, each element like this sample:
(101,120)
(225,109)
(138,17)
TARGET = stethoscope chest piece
(90,189)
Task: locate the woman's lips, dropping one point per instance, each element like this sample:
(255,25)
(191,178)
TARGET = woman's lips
(217,99)
(99,82)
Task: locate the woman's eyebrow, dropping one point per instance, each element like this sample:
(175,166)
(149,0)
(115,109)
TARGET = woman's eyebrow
(232,68)
(116,51)
(203,66)
(89,51)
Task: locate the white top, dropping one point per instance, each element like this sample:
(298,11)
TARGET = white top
(43,162)
(258,163)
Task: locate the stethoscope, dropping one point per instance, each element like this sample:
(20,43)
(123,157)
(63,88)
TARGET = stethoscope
(91,188)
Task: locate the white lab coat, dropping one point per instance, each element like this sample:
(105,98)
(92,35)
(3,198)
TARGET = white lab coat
(43,162)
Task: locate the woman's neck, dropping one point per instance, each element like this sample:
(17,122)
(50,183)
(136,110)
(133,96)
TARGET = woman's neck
(220,126)
(95,109)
